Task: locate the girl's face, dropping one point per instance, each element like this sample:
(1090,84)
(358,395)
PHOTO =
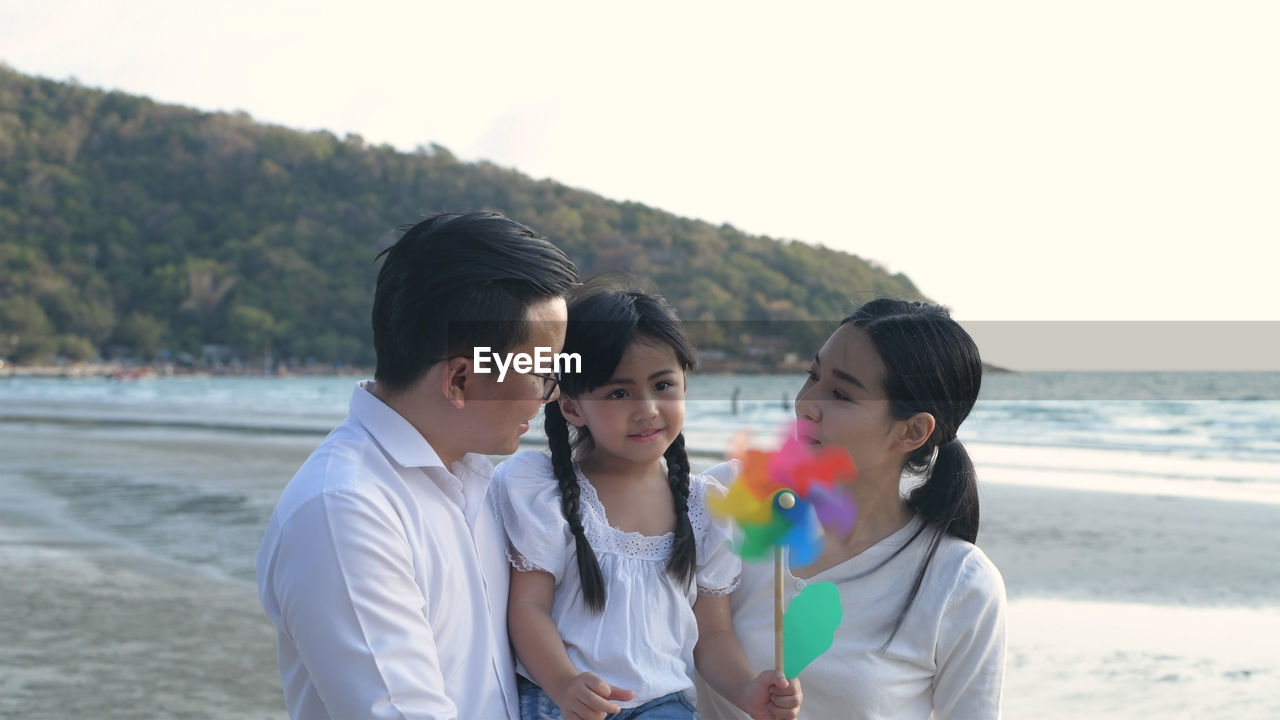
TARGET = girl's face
(844,398)
(637,414)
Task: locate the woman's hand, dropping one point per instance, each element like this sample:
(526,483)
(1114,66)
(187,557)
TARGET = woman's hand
(587,696)
(772,697)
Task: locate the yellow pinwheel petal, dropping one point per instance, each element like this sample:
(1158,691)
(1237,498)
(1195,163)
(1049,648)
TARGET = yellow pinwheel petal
(741,504)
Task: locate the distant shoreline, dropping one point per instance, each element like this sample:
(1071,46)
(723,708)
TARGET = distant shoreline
(122,371)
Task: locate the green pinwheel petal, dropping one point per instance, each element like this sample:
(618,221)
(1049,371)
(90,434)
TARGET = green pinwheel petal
(759,539)
(809,626)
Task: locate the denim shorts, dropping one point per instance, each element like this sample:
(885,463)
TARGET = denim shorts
(537,705)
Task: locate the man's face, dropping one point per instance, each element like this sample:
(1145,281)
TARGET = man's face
(504,409)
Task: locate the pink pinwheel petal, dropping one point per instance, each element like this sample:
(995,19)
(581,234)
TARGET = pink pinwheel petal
(784,464)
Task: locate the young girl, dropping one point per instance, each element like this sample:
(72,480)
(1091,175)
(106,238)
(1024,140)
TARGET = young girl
(621,579)
(923,634)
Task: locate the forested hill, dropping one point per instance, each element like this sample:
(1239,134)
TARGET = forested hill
(133,227)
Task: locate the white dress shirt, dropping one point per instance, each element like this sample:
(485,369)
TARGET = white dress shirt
(644,638)
(386,577)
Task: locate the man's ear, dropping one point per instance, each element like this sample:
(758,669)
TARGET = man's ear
(914,432)
(455,379)
(571,411)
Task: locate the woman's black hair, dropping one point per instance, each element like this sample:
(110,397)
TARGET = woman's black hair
(603,322)
(931,365)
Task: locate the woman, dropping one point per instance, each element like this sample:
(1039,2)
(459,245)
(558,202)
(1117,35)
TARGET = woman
(924,609)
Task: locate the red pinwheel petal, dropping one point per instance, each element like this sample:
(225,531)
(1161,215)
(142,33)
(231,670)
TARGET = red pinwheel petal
(827,466)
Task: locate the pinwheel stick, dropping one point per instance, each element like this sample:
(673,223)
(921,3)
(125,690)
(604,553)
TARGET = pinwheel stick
(778,656)
(786,501)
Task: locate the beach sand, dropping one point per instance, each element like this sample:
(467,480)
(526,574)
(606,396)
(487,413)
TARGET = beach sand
(1117,661)
(1121,605)
(1131,606)
(1110,546)
(98,625)
(96,631)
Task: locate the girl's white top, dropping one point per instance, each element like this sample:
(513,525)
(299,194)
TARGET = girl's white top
(643,641)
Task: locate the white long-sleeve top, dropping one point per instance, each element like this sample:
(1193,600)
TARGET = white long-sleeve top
(386,577)
(946,662)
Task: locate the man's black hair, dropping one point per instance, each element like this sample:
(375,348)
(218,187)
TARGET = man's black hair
(455,282)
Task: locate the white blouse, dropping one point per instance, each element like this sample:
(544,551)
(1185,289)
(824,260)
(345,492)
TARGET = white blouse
(946,661)
(643,641)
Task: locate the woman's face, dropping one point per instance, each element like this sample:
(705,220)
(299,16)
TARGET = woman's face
(845,400)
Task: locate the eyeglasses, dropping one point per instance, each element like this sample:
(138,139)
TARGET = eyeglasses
(549,382)
(549,385)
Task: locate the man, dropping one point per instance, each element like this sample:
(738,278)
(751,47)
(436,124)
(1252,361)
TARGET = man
(382,568)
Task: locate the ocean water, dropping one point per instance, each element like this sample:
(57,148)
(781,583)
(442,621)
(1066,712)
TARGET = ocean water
(131,459)
(1227,415)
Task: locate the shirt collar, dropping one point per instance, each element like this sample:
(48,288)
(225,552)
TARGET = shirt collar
(402,441)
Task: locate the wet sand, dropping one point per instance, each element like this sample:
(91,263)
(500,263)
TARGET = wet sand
(1121,605)
(1129,606)
(93,631)
(1106,546)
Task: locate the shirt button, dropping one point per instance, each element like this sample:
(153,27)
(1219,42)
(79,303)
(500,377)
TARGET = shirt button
(800,584)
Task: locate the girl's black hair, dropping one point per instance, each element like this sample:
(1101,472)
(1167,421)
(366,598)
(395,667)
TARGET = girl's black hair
(931,365)
(603,322)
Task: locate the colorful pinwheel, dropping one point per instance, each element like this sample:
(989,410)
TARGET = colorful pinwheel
(788,499)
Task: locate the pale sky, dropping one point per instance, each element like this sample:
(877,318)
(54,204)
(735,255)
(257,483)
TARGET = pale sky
(1022,160)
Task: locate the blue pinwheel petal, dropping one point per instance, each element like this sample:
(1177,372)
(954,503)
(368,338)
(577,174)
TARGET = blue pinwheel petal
(803,539)
(796,513)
